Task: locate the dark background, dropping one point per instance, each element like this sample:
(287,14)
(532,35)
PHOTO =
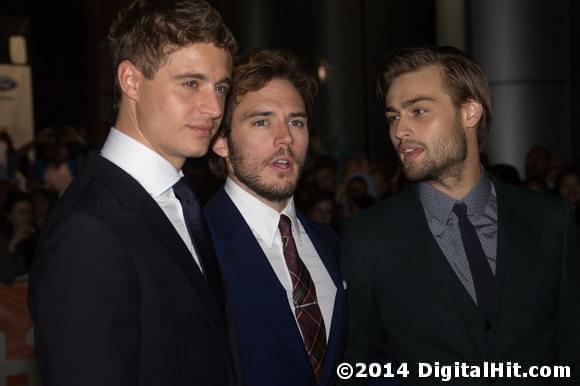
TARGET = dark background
(72,79)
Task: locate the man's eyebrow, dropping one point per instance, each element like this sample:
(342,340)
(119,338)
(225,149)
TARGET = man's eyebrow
(409,102)
(200,76)
(227,80)
(190,75)
(253,114)
(301,114)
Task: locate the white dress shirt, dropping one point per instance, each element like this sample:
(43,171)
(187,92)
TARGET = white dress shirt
(263,221)
(154,173)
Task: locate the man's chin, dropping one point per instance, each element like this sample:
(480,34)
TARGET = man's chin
(279,192)
(413,174)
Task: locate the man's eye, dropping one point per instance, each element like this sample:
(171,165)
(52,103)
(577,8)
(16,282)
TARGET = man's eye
(297,123)
(190,83)
(222,89)
(392,118)
(260,123)
(419,111)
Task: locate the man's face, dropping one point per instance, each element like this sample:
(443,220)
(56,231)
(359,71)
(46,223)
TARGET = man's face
(268,141)
(424,126)
(179,110)
(322,212)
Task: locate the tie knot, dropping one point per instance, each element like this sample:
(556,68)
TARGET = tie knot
(285,225)
(460,210)
(183,191)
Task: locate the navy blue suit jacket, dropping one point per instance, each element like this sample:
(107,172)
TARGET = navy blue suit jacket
(271,346)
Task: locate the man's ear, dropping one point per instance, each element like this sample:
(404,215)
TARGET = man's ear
(471,112)
(129,78)
(220,146)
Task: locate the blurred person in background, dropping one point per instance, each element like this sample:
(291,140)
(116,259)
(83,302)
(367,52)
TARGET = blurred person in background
(537,162)
(42,201)
(59,153)
(322,208)
(17,237)
(355,187)
(325,170)
(536,184)
(9,160)
(556,166)
(568,186)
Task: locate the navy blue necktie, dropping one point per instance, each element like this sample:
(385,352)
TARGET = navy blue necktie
(478,264)
(203,244)
(199,234)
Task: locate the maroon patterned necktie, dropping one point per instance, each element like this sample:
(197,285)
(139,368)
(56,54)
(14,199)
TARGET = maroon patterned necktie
(305,302)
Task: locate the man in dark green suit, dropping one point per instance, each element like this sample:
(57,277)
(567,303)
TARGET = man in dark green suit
(458,268)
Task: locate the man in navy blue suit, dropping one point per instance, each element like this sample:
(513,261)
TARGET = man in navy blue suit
(287,295)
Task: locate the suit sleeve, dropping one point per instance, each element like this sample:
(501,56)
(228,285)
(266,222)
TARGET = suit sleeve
(569,304)
(84,302)
(365,333)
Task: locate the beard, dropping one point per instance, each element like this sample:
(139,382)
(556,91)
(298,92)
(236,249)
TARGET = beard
(443,159)
(247,171)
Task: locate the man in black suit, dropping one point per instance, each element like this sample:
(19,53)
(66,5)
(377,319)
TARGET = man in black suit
(125,289)
(459,267)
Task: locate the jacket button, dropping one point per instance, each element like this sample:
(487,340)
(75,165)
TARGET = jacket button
(487,325)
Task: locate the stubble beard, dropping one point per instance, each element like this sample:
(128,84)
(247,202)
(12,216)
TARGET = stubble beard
(442,161)
(248,173)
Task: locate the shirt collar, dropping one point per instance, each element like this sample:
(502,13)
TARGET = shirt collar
(436,204)
(477,199)
(439,205)
(150,169)
(262,219)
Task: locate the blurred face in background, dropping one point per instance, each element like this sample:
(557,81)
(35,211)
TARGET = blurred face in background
(570,188)
(322,211)
(20,215)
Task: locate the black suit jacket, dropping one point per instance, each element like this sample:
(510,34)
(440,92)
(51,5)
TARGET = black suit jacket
(117,299)
(402,289)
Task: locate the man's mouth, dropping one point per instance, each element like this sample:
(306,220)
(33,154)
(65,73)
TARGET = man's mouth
(409,152)
(282,163)
(204,130)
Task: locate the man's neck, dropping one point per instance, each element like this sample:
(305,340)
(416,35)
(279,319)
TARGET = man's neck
(278,206)
(127,124)
(458,184)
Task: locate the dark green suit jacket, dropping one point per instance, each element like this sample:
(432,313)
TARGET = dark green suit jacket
(401,289)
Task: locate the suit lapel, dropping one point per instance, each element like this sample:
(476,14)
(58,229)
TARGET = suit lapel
(328,257)
(247,260)
(427,266)
(513,244)
(206,252)
(162,230)
(135,198)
